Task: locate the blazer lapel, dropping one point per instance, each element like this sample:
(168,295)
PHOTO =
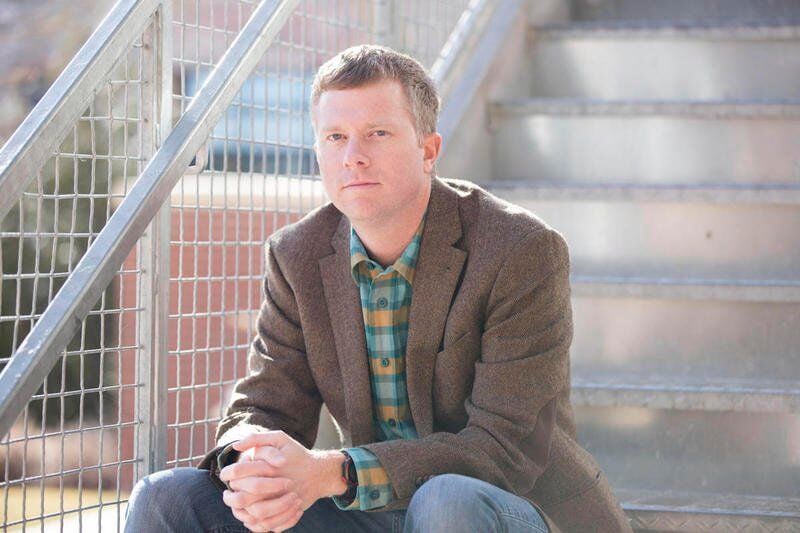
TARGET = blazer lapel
(437,273)
(347,322)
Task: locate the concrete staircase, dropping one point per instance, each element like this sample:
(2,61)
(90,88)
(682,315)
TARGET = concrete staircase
(662,138)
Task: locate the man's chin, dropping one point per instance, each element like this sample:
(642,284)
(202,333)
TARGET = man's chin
(364,216)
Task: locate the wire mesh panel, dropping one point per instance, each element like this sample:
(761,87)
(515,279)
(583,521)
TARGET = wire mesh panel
(68,460)
(423,26)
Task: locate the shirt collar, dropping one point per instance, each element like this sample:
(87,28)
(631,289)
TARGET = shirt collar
(405,264)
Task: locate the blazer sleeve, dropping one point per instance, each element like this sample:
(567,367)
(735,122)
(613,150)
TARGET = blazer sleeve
(522,370)
(279,391)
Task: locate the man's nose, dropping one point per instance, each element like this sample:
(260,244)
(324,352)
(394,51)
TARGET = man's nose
(354,155)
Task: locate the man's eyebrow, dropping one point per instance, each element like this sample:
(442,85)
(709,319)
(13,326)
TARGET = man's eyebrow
(368,126)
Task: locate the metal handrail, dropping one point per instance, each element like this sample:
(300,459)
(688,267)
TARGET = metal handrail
(27,150)
(50,335)
(464,62)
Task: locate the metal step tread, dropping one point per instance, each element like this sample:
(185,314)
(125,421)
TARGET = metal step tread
(689,511)
(521,190)
(772,108)
(783,291)
(709,394)
(758,30)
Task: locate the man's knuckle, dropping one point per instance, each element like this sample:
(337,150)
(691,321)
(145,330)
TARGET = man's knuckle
(268,485)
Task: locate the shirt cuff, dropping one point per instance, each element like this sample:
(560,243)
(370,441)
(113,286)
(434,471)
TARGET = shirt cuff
(374,489)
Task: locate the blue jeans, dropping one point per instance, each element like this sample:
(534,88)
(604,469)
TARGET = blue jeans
(185,499)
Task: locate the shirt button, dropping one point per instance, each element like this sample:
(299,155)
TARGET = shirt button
(392,422)
(375,494)
(384,362)
(383,302)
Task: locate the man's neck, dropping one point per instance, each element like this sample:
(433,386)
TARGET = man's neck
(385,240)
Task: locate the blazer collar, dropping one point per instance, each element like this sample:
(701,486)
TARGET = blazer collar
(437,273)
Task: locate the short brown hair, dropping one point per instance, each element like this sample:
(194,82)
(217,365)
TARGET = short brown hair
(364,64)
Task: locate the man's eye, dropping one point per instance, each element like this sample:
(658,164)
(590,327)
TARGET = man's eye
(381,133)
(335,137)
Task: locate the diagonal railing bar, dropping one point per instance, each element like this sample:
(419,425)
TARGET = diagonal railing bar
(51,334)
(55,114)
(465,59)
(456,42)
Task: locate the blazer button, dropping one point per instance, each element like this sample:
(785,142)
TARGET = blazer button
(375,494)
(382,302)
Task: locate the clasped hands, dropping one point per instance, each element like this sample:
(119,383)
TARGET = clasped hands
(276,479)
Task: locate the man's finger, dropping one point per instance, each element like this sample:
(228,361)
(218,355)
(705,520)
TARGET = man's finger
(271,454)
(266,487)
(266,509)
(275,523)
(269,438)
(289,523)
(243,516)
(239,499)
(247,468)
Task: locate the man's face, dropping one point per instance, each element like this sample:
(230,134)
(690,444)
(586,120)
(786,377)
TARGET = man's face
(369,155)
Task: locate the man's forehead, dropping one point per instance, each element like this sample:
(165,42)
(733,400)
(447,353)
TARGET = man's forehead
(375,103)
(385,91)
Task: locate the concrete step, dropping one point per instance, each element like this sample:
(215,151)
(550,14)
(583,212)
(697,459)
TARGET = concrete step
(667,330)
(710,11)
(688,511)
(630,61)
(686,393)
(699,451)
(646,142)
(673,232)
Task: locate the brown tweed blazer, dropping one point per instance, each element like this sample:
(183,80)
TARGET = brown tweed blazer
(487,359)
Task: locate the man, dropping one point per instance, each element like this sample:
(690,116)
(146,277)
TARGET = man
(431,318)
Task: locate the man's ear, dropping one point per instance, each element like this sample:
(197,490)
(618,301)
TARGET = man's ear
(431,146)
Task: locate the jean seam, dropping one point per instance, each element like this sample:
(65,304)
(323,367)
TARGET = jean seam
(524,521)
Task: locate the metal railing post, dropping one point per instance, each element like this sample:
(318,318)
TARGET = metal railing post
(153,290)
(384,23)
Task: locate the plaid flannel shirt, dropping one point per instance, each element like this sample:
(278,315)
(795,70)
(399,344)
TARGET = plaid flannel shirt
(385,303)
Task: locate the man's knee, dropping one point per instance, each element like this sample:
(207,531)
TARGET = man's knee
(452,502)
(161,494)
(448,501)
(448,489)
(161,488)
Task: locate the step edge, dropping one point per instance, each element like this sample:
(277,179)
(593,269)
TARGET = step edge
(719,386)
(755,30)
(788,194)
(773,291)
(741,108)
(631,498)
